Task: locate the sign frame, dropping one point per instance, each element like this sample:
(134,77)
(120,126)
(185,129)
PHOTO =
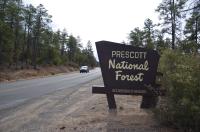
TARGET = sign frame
(139,66)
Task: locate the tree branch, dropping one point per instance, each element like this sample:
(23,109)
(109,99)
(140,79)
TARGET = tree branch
(198,6)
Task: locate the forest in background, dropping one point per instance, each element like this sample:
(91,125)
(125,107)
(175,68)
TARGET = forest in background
(178,27)
(28,40)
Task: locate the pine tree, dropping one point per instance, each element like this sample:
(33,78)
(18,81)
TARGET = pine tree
(136,37)
(192,28)
(170,13)
(72,46)
(149,33)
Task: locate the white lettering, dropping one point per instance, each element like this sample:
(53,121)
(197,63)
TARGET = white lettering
(112,64)
(114,53)
(136,78)
(117,74)
(129,54)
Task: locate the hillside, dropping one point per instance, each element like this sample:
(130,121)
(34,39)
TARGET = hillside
(11,74)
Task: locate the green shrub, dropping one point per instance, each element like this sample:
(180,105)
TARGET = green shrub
(181,105)
(57,60)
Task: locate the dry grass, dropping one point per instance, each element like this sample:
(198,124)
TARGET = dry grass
(9,74)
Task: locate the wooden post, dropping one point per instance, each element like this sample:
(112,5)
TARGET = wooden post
(111,101)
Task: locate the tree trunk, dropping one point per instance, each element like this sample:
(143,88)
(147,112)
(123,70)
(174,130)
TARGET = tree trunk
(62,50)
(196,29)
(28,46)
(23,49)
(28,40)
(16,44)
(36,42)
(173,25)
(34,53)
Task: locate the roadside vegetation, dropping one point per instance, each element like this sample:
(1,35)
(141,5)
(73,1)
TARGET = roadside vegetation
(29,47)
(181,106)
(177,39)
(27,39)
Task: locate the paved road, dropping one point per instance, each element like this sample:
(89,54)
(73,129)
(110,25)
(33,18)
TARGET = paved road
(15,93)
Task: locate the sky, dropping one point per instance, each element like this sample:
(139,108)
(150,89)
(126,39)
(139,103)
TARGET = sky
(97,20)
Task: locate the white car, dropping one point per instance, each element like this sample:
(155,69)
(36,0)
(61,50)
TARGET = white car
(84,69)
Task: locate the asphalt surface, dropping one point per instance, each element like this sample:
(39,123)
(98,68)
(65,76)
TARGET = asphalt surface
(18,92)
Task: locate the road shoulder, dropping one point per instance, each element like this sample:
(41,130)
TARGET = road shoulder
(80,110)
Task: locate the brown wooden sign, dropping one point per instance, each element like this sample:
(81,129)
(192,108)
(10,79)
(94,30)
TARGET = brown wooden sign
(126,69)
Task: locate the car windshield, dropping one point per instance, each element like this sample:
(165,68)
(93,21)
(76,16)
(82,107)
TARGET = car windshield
(84,67)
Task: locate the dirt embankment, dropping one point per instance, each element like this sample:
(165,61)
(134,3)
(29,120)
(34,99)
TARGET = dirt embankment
(10,74)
